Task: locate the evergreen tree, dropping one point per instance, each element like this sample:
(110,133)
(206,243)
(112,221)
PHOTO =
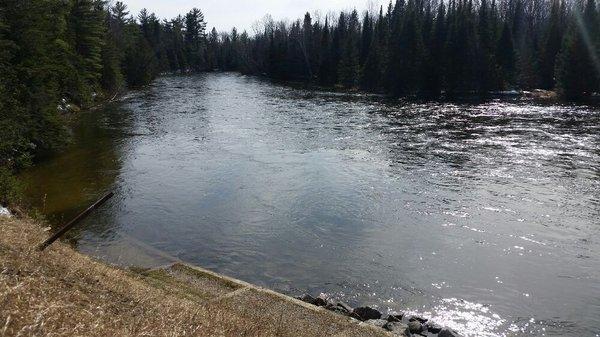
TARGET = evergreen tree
(433,74)
(551,48)
(195,28)
(505,53)
(325,73)
(577,68)
(349,64)
(86,32)
(372,69)
(486,61)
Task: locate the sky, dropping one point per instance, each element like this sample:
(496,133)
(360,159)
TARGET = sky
(225,14)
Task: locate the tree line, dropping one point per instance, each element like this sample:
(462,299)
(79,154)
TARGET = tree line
(431,48)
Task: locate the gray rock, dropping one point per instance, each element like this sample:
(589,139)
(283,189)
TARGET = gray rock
(338,308)
(397,328)
(433,328)
(447,332)
(5,212)
(415,327)
(367,313)
(418,318)
(320,301)
(306,298)
(394,318)
(345,306)
(377,322)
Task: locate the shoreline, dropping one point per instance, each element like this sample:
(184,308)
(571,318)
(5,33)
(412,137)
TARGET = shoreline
(62,282)
(63,292)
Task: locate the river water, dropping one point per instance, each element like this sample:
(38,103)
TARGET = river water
(484,216)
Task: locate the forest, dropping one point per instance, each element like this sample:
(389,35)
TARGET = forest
(57,56)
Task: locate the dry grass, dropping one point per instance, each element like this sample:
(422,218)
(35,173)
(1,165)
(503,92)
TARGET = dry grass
(63,293)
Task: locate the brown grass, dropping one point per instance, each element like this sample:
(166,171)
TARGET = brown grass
(63,293)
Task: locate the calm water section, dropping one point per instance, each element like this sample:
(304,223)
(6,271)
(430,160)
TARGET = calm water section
(485,217)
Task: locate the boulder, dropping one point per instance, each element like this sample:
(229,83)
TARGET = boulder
(306,298)
(398,328)
(4,212)
(367,313)
(345,306)
(335,307)
(433,328)
(415,327)
(394,318)
(447,332)
(320,301)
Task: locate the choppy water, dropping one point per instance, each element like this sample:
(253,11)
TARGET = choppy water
(485,217)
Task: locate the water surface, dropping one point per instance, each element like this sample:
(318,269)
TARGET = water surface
(484,216)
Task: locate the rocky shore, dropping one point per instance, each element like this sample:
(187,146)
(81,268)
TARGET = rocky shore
(397,323)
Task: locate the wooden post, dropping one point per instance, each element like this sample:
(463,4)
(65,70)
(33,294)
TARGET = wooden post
(74,222)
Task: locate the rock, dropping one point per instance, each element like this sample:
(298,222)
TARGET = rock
(320,301)
(306,298)
(433,328)
(418,318)
(345,306)
(447,332)
(397,328)
(355,316)
(415,327)
(377,322)
(367,313)
(4,212)
(340,308)
(394,318)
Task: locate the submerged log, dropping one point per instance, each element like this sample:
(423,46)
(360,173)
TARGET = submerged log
(74,222)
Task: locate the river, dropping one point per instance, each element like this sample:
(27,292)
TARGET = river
(484,216)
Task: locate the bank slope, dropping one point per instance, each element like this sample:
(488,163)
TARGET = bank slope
(62,292)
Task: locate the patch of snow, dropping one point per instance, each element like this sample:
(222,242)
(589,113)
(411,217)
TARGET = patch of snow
(5,212)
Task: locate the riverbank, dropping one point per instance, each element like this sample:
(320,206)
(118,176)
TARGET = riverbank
(62,292)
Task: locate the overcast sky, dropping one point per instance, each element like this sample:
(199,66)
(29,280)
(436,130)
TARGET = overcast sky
(225,14)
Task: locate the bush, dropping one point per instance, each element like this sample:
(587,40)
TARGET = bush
(10,188)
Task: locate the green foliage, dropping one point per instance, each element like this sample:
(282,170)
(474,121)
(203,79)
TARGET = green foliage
(10,188)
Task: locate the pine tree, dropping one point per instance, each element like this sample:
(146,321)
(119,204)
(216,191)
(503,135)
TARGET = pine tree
(366,38)
(325,73)
(195,28)
(349,66)
(486,63)
(372,69)
(551,48)
(86,32)
(433,74)
(505,54)
(577,70)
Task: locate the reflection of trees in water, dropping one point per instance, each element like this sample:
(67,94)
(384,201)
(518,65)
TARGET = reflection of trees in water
(66,184)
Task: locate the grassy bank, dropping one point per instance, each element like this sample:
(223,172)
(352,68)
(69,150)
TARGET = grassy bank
(61,292)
